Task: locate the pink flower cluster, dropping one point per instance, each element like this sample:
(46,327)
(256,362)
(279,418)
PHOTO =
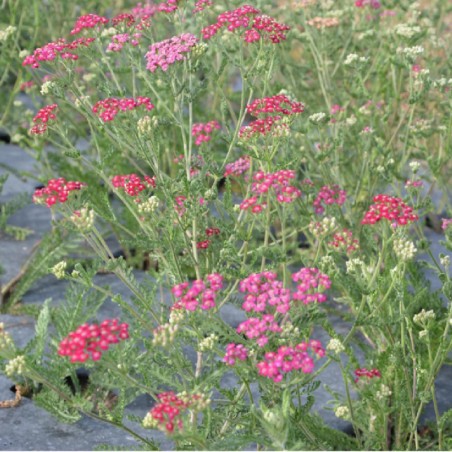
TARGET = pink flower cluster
(257,26)
(238,167)
(57,190)
(279,104)
(287,359)
(390,208)
(264,289)
(375,4)
(201,5)
(118,41)
(202,131)
(53,49)
(132,183)
(312,284)
(256,328)
(88,21)
(89,341)
(107,109)
(235,352)
(329,195)
(278,181)
(446,222)
(344,240)
(366,373)
(41,119)
(200,293)
(163,54)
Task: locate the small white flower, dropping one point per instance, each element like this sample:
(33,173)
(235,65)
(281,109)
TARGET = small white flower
(208,343)
(342,412)
(7,32)
(47,87)
(59,269)
(445,261)
(383,392)
(15,366)
(351,121)
(407,31)
(149,205)
(351,58)
(423,317)
(336,346)
(317,118)
(23,53)
(404,249)
(414,165)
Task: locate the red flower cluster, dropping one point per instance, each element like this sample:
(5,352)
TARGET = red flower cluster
(132,183)
(128,19)
(238,167)
(203,245)
(212,231)
(329,195)
(257,26)
(287,359)
(201,293)
(107,109)
(312,284)
(279,104)
(88,21)
(42,118)
(234,352)
(391,208)
(166,415)
(89,341)
(345,240)
(53,49)
(279,181)
(366,373)
(202,131)
(57,190)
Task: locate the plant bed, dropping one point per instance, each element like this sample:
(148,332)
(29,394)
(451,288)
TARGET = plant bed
(249,233)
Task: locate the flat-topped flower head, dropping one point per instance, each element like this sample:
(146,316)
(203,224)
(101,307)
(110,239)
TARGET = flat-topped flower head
(288,359)
(133,184)
(240,166)
(199,294)
(40,120)
(52,50)
(107,109)
(311,285)
(255,26)
(389,208)
(88,21)
(56,191)
(90,341)
(203,131)
(165,53)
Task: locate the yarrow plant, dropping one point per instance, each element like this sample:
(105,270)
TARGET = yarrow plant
(247,174)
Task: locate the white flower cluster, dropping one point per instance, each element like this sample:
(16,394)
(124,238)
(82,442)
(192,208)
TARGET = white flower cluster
(83,219)
(289,330)
(7,32)
(15,367)
(146,124)
(383,393)
(336,346)
(421,318)
(149,205)
(404,249)
(165,334)
(342,412)
(47,87)
(354,58)
(324,227)
(59,270)
(317,118)
(406,30)
(410,52)
(208,343)
(414,165)
(5,339)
